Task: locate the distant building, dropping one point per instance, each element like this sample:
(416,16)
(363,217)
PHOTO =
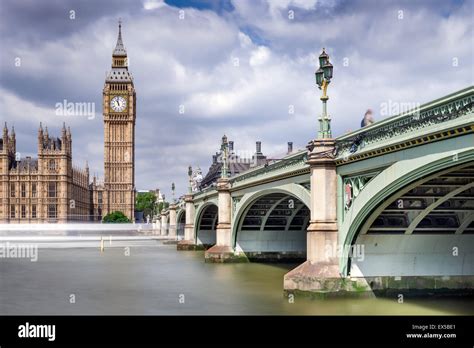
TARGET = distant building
(44,189)
(159,196)
(237,164)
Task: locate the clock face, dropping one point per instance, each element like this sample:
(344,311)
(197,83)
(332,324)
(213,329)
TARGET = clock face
(118,103)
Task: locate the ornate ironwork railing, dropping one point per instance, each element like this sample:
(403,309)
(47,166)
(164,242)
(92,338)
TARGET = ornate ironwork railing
(439,111)
(290,161)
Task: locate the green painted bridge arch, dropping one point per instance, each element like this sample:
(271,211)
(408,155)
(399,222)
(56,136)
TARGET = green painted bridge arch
(390,185)
(180,222)
(261,231)
(205,224)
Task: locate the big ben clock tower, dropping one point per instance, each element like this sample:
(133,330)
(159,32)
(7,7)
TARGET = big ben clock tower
(119,108)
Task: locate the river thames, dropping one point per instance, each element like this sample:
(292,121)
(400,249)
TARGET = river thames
(139,277)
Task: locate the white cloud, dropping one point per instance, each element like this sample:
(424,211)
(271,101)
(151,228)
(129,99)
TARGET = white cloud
(190,62)
(21,111)
(259,56)
(245,40)
(153,4)
(275,5)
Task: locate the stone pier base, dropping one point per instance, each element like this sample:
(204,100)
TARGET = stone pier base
(223,254)
(170,242)
(313,277)
(189,245)
(310,283)
(276,257)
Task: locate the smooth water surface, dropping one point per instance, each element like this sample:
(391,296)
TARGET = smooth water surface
(158,279)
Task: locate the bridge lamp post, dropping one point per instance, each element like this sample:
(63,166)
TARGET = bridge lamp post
(190,179)
(223,249)
(323,78)
(172,192)
(225,150)
(321,270)
(172,214)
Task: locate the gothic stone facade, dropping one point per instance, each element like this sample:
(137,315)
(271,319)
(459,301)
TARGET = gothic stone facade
(46,189)
(50,189)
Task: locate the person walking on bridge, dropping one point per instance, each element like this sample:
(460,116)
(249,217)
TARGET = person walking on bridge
(368,119)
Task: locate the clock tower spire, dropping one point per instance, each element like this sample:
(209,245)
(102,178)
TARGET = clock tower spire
(119,56)
(119,110)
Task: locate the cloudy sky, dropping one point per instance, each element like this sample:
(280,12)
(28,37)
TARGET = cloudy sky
(237,67)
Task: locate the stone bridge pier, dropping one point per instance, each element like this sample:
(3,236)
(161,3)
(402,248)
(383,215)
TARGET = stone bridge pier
(223,250)
(172,221)
(164,223)
(189,240)
(157,229)
(322,263)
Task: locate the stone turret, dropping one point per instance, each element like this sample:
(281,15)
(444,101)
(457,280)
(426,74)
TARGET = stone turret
(12,143)
(40,137)
(5,139)
(4,152)
(46,135)
(69,140)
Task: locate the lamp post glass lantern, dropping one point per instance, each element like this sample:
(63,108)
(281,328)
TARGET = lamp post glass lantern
(319,76)
(328,71)
(323,58)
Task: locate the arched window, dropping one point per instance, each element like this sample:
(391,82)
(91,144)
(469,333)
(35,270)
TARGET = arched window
(52,165)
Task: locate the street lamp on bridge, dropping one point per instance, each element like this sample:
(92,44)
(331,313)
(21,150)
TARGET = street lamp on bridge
(323,78)
(172,191)
(190,179)
(225,157)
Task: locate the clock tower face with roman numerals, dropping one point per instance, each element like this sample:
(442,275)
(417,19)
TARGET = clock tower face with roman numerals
(119,109)
(119,103)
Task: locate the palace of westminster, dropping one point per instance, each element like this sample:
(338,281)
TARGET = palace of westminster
(50,189)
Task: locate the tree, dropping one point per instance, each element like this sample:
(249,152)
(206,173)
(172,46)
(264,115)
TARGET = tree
(145,202)
(162,205)
(115,217)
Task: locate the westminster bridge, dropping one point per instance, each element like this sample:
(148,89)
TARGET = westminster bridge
(389,206)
